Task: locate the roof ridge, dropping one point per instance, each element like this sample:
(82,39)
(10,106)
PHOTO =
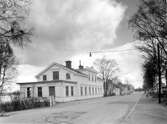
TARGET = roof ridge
(55,63)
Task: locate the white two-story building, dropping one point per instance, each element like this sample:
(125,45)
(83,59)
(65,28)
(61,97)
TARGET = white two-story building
(64,83)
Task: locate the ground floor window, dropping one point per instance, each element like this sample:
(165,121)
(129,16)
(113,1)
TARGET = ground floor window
(51,91)
(81,90)
(72,91)
(28,92)
(90,90)
(95,91)
(85,91)
(67,91)
(39,91)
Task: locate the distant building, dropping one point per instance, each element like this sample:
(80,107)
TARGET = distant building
(64,83)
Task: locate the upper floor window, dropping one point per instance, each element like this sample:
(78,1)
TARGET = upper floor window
(68,76)
(55,75)
(44,77)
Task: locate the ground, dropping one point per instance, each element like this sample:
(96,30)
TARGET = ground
(129,109)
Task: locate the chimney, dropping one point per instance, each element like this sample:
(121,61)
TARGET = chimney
(68,64)
(80,66)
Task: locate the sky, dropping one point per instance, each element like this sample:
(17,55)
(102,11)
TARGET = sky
(69,30)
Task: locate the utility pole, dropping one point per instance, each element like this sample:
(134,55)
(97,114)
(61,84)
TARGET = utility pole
(166,72)
(159,73)
(166,75)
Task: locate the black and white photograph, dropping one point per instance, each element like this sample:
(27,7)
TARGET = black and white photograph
(83,62)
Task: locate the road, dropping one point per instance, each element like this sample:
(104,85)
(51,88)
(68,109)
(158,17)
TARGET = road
(109,110)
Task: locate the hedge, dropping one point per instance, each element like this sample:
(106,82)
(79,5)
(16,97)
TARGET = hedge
(21,104)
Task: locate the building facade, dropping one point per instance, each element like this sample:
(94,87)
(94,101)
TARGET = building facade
(64,83)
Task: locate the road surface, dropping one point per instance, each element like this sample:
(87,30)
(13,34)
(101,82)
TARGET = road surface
(109,110)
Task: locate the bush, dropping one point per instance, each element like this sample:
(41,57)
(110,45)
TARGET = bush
(21,104)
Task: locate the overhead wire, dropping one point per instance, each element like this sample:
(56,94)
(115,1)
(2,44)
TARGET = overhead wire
(126,51)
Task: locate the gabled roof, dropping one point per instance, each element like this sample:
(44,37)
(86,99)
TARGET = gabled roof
(87,69)
(90,69)
(61,66)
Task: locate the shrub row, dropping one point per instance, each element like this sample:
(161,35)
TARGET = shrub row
(21,104)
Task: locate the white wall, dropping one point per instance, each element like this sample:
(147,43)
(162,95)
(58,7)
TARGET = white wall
(82,81)
(62,74)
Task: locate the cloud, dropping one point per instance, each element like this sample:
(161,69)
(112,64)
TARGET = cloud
(27,73)
(129,60)
(63,28)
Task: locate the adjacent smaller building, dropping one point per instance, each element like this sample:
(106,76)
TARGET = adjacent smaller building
(64,83)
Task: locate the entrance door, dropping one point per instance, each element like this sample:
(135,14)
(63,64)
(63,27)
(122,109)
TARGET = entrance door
(51,91)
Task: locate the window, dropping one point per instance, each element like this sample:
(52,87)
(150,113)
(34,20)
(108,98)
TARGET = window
(67,94)
(95,91)
(92,77)
(51,91)
(39,91)
(85,91)
(44,77)
(28,92)
(81,89)
(72,91)
(68,76)
(90,90)
(89,76)
(55,75)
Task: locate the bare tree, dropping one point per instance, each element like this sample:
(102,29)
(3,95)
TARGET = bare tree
(7,60)
(150,26)
(107,69)
(13,30)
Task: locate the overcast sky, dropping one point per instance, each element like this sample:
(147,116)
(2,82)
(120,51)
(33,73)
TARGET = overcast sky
(69,29)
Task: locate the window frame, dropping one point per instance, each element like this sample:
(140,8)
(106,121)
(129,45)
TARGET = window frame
(50,93)
(68,76)
(72,90)
(85,91)
(67,91)
(44,77)
(81,91)
(39,91)
(89,90)
(56,75)
(28,92)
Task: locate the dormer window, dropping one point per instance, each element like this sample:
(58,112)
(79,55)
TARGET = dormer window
(44,77)
(68,76)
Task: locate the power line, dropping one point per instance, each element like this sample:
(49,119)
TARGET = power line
(104,51)
(113,51)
